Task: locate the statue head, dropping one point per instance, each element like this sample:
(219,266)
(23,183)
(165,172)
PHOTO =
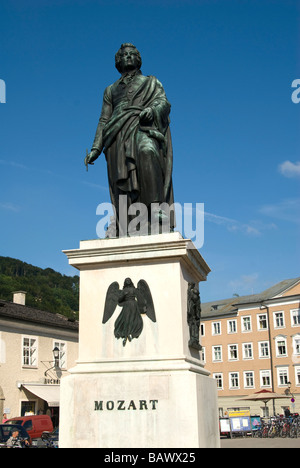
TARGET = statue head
(128,283)
(128,58)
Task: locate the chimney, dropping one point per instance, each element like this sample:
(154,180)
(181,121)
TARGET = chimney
(19,297)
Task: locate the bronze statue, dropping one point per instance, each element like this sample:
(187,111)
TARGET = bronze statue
(134,134)
(134,302)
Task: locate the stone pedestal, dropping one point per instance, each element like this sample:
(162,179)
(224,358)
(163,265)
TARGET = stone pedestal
(153,392)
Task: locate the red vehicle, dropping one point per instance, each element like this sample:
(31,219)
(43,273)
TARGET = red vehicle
(34,425)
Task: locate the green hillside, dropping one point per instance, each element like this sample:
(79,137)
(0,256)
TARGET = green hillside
(46,289)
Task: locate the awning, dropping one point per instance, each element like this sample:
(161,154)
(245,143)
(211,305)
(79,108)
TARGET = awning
(49,393)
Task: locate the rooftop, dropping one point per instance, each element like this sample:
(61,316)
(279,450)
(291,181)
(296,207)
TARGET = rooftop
(230,306)
(11,310)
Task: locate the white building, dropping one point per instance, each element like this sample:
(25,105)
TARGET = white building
(29,373)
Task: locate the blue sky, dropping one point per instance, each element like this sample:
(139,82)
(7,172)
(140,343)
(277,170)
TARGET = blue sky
(227,67)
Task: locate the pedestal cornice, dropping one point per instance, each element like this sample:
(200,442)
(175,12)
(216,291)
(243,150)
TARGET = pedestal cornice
(138,249)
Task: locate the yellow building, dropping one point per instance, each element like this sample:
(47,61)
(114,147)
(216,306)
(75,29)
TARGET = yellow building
(252,343)
(36,349)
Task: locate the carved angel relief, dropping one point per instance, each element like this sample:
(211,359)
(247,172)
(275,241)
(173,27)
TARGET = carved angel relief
(134,302)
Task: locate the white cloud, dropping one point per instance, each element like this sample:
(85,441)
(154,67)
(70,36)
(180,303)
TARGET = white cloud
(285,210)
(9,206)
(13,164)
(290,169)
(254,228)
(93,185)
(245,284)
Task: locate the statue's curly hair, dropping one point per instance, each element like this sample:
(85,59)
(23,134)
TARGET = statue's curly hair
(119,54)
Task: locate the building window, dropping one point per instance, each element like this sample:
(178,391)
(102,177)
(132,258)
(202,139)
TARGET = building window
(295,317)
(2,350)
(29,351)
(297,376)
(216,328)
(246,324)
(234,380)
(282,376)
(247,351)
(28,407)
(202,329)
(62,346)
(263,348)
(231,326)
(262,322)
(233,352)
(217,353)
(219,379)
(281,348)
(279,320)
(249,379)
(265,378)
(203,354)
(265,410)
(296,345)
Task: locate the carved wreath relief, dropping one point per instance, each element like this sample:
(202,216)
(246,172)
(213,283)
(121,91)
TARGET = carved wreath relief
(134,302)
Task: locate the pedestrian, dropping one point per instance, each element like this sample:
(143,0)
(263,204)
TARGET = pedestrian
(14,440)
(4,418)
(287,412)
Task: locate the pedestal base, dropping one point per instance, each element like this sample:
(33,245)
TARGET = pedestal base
(154,392)
(171,409)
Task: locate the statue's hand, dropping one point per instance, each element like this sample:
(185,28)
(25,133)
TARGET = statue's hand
(91,157)
(146,116)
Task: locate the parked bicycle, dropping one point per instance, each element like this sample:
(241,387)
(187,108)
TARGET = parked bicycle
(279,427)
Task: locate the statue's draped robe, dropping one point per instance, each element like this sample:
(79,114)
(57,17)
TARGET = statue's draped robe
(123,139)
(129,324)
